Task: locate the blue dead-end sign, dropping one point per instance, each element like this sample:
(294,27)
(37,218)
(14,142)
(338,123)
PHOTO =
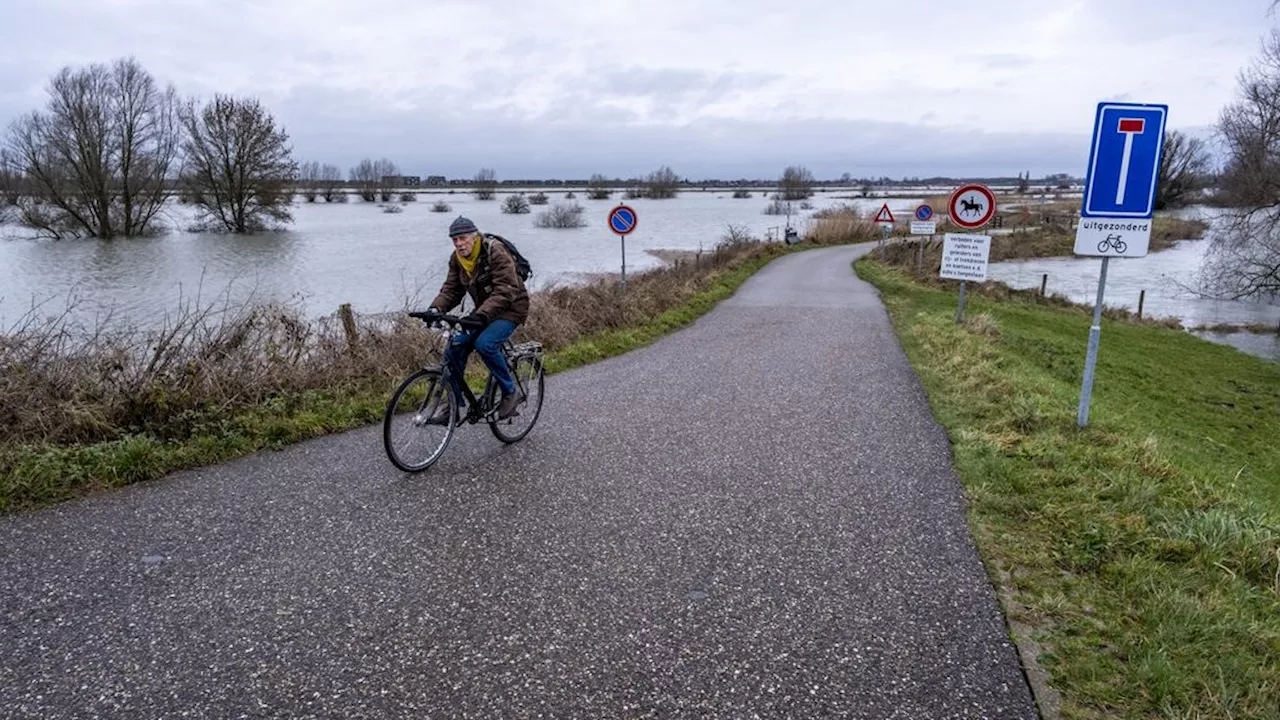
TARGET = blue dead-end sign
(1124,161)
(622,219)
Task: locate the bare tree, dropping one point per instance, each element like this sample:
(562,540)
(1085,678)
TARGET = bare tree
(95,161)
(239,164)
(388,174)
(1024,183)
(1243,260)
(1184,169)
(486,183)
(11,184)
(309,180)
(796,183)
(662,184)
(365,178)
(330,180)
(515,204)
(598,187)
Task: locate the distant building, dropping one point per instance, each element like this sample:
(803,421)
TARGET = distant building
(435,180)
(402,181)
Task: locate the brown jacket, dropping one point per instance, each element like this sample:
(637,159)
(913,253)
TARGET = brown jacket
(496,289)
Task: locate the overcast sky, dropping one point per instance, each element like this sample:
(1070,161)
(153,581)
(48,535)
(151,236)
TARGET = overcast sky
(732,88)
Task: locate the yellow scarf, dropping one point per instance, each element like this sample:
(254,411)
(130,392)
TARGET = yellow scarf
(468,263)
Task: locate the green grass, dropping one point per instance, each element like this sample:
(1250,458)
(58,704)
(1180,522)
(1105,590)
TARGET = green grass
(34,475)
(1144,549)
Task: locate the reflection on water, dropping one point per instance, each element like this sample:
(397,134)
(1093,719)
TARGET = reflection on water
(356,253)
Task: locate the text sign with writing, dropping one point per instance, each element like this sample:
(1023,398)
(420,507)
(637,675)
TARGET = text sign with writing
(1113,237)
(964,257)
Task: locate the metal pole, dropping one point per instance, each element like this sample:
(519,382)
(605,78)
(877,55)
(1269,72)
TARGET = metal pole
(624,261)
(1091,357)
(1142,299)
(960,307)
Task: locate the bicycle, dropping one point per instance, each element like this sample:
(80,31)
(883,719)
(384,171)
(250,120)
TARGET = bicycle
(1113,241)
(426,390)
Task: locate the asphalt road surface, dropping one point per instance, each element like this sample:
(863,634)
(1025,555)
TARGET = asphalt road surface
(753,517)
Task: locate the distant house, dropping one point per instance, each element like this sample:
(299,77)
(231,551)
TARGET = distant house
(402,181)
(435,180)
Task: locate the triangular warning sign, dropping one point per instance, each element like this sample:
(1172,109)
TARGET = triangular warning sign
(884,216)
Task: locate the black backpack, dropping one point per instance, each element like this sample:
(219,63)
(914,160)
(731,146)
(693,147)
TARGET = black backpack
(523,268)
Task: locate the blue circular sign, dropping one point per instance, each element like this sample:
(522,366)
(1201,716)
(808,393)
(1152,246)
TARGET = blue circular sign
(622,219)
(923,213)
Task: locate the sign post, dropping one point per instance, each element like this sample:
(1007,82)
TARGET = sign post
(1118,205)
(622,220)
(964,258)
(885,219)
(921,226)
(970,207)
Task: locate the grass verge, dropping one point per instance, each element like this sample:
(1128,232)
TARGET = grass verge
(1144,549)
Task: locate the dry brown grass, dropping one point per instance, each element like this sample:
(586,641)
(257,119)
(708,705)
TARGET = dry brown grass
(841,225)
(559,316)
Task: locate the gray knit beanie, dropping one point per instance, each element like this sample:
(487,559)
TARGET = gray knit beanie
(462,226)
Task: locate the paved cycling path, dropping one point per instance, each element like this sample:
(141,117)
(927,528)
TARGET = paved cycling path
(754,517)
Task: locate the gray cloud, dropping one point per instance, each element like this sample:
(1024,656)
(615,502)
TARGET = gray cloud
(721,87)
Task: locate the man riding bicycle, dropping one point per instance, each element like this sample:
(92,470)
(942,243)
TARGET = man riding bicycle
(483,269)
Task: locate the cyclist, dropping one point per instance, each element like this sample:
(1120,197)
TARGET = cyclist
(482,268)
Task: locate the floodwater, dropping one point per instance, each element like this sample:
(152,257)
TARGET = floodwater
(1163,282)
(357,253)
(377,261)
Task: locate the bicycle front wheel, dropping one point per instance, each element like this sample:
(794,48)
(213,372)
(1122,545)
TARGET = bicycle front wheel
(414,440)
(529,378)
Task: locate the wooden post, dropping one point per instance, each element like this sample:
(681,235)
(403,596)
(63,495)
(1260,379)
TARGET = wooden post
(1142,298)
(1044,283)
(348,323)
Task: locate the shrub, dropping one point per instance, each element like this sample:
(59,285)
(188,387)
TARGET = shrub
(538,199)
(562,216)
(441,206)
(515,204)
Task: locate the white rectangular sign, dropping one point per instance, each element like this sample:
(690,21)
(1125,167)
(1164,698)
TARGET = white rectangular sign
(964,257)
(1113,237)
(923,228)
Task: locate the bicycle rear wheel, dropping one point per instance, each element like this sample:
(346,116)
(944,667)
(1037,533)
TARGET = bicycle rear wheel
(412,443)
(528,373)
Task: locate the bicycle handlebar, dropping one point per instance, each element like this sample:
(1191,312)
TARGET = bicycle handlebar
(428,316)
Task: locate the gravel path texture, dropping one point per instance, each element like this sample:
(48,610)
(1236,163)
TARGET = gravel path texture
(754,517)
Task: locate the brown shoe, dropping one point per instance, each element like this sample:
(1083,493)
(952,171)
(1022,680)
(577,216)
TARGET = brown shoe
(507,407)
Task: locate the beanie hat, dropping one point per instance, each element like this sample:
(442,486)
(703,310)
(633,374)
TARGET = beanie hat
(462,226)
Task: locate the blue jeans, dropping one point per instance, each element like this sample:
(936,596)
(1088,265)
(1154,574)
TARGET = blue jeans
(488,342)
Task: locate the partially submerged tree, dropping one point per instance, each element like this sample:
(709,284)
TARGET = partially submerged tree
(239,164)
(1184,170)
(662,184)
(796,183)
(486,183)
(598,187)
(94,162)
(515,204)
(330,184)
(1243,260)
(309,180)
(374,178)
(11,184)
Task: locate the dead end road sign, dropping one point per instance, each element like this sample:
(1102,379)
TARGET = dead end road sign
(1119,203)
